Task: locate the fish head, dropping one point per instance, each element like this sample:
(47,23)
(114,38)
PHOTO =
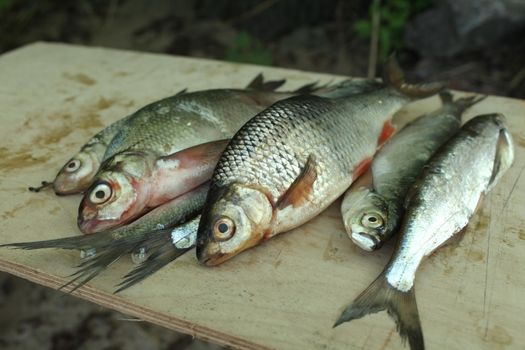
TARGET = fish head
(365,216)
(491,125)
(76,175)
(234,219)
(118,195)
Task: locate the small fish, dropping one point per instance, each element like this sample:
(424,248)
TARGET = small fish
(104,248)
(373,207)
(292,160)
(211,115)
(135,182)
(439,205)
(77,174)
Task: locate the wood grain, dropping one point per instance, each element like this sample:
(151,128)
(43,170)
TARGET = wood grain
(285,294)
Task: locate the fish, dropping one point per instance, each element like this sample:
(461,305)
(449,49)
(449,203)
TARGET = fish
(373,207)
(190,119)
(439,205)
(134,182)
(77,174)
(104,248)
(289,162)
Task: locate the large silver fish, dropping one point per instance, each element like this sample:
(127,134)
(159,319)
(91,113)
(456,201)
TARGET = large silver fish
(373,207)
(440,205)
(291,161)
(118,196)
(77,174)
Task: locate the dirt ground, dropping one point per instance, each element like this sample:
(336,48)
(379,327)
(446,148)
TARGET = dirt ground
(35,317)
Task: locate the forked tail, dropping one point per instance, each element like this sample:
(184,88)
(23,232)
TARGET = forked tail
(394,76)
(459,105)
(401,306)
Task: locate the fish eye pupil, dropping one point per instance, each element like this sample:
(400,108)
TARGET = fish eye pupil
(71,165)
(100,194)
(223,228)
(372,219)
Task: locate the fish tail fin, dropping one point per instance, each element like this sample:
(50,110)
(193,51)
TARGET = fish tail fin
(401,306)
(446,97)
(162,253)
(461,104)
(465,103)
(75,242)
(259,84)
(394,76)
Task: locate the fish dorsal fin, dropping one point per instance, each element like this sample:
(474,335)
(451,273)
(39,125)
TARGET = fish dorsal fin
(503,158)
(182,92)
(259,84)
(301,188)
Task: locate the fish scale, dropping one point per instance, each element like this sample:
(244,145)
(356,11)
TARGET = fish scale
(373,207)
(290,161)
(178,123)
(439,206)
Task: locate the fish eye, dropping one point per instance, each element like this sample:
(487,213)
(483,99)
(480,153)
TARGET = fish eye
(73,165)
(100,193)
(223,229)
(372,220)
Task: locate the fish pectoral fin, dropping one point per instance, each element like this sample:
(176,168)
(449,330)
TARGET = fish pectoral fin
(388,130)
(301,188)
(204,154)
(401,306)
(362,168)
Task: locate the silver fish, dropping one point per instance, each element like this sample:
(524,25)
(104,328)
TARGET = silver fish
(77,174)
(291,161)
(103,248)
(373,207)
(167,128)
(440,205)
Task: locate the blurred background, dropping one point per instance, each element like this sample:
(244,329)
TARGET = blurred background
(474,45)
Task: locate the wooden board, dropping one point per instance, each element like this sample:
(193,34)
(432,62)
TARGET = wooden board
(284,294)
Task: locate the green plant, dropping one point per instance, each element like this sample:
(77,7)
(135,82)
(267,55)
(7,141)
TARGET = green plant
(4,4)
(248,49)
(393,15)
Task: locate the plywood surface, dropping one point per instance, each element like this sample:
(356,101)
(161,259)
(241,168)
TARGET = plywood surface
(285,294)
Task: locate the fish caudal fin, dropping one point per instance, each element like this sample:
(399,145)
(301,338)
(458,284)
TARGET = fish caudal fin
(461,104)
(401,306)
(162,253)
(259,84)
(94,241)
(394,76)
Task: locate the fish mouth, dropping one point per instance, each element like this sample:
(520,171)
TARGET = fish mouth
(63,189)
(93,225)
(214,260)
(366,241)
